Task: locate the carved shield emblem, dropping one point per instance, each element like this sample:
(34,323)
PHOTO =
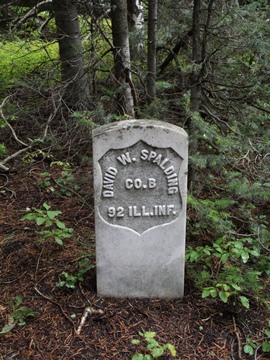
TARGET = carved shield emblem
(140,187)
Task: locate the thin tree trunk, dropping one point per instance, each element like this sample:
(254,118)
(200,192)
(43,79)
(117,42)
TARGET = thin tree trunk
(195,91)
(135,27)
(76,89)
(125,101)
(151,54)
(135,15)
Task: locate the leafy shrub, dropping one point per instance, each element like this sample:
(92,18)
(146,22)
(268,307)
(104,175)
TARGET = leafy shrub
(18,315)
(251,345)
(233,264)
(63,185)
(19,58)
(70,280)
(153,348)
(53,228)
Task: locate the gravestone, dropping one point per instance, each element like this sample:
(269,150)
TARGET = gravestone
(140,177)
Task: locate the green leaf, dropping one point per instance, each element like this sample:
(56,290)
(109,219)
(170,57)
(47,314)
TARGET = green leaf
(70,284)
(18,300)
(209,291)
(7,328)
(30,216)
(245,256)
(38,211)
(224,296)
(40,220)
(266,346)
(244,301)
(149,334)
(32,314)
(147,357)
(24,309)
(248,349)
(11,305)
(138,357)
(48,223)
(157,352)
(52,214)
(217,254)
(135,341)
(225,287)
(46,206)
(65,235)
(194,256)
(236,287)
(152,343)
(68,233)
(238,245)
(21,322)
(208,262)
(224,258)
(22,312)
(171,348)
(59,240)
(60,224)
(254,253)
(207,251)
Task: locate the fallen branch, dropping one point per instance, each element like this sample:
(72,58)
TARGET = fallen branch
(28,146)
(4,168)
(10,157)
(13,281)
(2,163)
(8,124)
(87,311)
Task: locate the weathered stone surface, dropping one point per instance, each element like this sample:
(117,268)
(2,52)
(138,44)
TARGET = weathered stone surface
(140,173)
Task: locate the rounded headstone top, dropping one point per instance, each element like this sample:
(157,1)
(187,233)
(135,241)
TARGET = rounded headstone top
(138,124)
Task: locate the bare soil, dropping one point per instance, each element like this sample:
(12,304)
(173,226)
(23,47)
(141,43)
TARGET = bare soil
(198,328)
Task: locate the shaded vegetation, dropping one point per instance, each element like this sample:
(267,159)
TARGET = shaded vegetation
(45,170)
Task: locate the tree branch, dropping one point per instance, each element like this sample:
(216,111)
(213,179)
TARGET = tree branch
(8,124)
(3,167)
(258,107)
(39,7)
(181,44)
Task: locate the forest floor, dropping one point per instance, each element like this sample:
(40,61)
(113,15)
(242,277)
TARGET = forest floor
(30,269)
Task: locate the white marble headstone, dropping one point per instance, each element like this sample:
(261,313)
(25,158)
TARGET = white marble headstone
(140,185)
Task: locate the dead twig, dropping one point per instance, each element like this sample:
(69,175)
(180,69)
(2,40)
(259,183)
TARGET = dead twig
(52,301)
(3,186)
(38,261)
(8,124)
(88,311)
(2,163)
(13,281)
(238,339)
(31,13)
(51,117)
(7,159)
(28,146)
